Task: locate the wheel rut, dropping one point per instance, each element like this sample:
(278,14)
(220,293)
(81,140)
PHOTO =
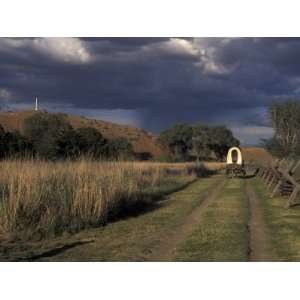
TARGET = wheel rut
(168,247)
(259,246)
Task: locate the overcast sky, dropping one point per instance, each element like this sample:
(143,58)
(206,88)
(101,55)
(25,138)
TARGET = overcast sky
(154,82)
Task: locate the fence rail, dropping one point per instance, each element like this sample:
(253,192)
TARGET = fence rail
(282,178)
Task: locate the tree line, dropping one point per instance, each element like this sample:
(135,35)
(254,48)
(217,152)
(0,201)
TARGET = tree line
(51,137)
(285,120)
(187,142)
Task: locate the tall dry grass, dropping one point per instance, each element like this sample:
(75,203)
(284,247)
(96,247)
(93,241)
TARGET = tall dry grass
(48,198)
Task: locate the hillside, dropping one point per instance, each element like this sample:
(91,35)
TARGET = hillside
(142,141)
(256,154)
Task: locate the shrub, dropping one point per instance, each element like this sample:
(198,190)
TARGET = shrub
(52,138)
(120,149)
(91,142)
(13,144)
(48,133)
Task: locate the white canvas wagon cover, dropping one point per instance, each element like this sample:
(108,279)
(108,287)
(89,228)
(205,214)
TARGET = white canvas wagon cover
(239,156)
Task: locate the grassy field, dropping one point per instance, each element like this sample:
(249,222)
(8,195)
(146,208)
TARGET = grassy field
(41,199)
(134,238)
(283,224)
(222,233)
(151,212)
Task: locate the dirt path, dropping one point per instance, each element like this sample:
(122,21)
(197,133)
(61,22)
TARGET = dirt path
(259,246)
(165,252)
(149,236)
(214,214)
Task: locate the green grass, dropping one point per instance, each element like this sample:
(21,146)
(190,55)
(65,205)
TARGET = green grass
(130,239)
(283,224)
(222,233)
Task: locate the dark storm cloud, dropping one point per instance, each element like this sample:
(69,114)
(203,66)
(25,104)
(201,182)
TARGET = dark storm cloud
(160,80)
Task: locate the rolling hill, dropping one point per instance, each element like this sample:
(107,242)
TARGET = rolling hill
(256,154)
(142,141)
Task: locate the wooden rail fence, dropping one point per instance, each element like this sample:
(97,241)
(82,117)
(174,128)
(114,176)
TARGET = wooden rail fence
(282,178)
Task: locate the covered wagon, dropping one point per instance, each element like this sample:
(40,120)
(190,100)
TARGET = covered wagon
(234,163)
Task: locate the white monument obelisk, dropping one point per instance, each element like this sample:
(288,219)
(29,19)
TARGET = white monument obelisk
(36,104)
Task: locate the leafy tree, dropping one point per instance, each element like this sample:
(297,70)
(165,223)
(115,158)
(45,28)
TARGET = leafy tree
(47,132)
(53,137)
(120,148)
(91,142)
(201,141)
(16,145)
(179,139)
(221,139)
(285,119)
(13,144)
(68,145)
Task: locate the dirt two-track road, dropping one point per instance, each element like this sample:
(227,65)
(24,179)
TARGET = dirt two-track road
(212,219)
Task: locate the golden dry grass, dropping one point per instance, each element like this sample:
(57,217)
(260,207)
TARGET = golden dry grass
(213,166)
(256,154)
(44,197)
